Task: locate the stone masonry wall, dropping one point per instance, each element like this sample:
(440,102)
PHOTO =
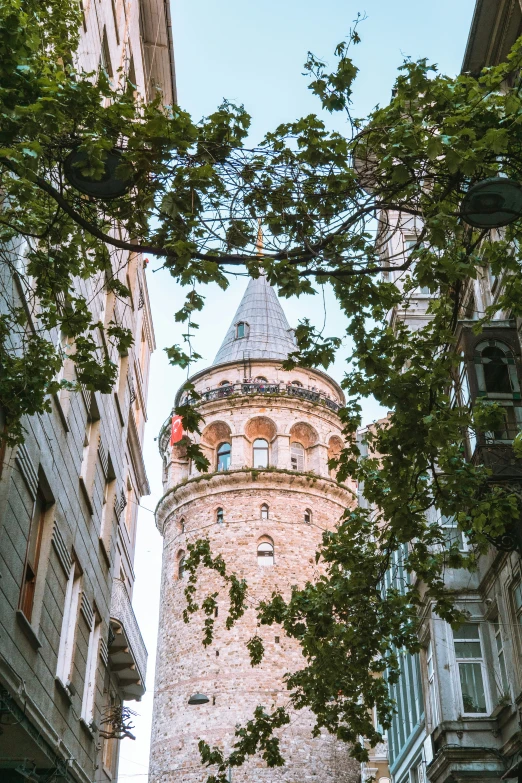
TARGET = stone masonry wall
(222,671)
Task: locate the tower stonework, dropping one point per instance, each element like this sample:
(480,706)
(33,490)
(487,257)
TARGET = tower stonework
(264,504)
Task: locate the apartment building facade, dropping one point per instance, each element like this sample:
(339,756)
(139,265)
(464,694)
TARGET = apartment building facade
(459,700)
(71,652)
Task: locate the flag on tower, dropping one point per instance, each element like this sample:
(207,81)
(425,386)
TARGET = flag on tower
(176,431)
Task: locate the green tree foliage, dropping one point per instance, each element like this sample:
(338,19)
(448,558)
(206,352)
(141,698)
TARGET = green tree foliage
(328,202)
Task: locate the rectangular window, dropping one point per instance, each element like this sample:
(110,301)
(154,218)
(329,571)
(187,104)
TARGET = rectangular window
(451,533)
(517,601)
(89,689)
(470,663)
(409,244)
(91,442)
(32,556)
(502,681)
(432,686)
(129,508)
(69,623)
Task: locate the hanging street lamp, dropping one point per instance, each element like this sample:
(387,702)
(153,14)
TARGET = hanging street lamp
(492,203)
(109,185)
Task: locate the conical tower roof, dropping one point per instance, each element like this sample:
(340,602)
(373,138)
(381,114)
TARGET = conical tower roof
(267,334)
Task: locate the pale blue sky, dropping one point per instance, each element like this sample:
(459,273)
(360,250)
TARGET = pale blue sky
(253,53)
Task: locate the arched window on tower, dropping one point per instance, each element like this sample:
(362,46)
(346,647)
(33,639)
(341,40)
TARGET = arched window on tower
(297,456)
(308,516)
(220,516)
(260,453)
(181,525)
(223,456)
(181,564)
(265,552)
(495,367)
(264,511)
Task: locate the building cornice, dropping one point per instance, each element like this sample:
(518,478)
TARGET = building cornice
(246,478)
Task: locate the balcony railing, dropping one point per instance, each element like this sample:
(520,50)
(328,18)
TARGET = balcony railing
(495,451)
(127,651)
(260,387)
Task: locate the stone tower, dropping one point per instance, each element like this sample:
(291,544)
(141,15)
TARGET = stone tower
(264,504)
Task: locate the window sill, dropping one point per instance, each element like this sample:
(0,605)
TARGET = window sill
(86,495)
(28,630)
(87,728)
(105,550)
(118,408)
(64,690)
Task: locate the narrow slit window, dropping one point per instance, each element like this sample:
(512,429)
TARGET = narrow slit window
(308,517)
(264,511)
(181,565)
(220,518)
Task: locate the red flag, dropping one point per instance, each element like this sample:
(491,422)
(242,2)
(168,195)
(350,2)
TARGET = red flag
(176,432)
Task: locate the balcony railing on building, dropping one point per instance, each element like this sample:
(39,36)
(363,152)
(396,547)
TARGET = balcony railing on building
(127,652)
(263,387)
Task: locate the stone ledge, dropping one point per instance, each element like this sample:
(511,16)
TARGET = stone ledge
(231,480)
(28,630)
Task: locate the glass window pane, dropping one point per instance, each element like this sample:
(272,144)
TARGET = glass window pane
(467,631)
(472,686)
(467,649)
(224,453)
(260,453)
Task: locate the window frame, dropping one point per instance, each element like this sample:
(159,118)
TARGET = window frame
(227,453)
(499,648)
(30,569)
(268,553)
(71,610)
(91,669)
(510,363)
(297,457)
(433,689)
(260,449)
(409,242)
(242,329)
(472,660)
(264,511)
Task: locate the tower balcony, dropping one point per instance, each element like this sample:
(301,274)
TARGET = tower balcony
(259,387)
(127,651)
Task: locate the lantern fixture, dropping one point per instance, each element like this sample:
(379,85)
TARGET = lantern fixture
(109,185)
(492,203)
(198,698)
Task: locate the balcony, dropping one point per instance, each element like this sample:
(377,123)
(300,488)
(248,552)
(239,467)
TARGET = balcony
(127,652)
(260,387)
(497,454)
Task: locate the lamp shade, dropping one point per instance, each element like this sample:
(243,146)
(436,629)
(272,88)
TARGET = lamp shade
(108,186)
(492,203)
(198,698)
